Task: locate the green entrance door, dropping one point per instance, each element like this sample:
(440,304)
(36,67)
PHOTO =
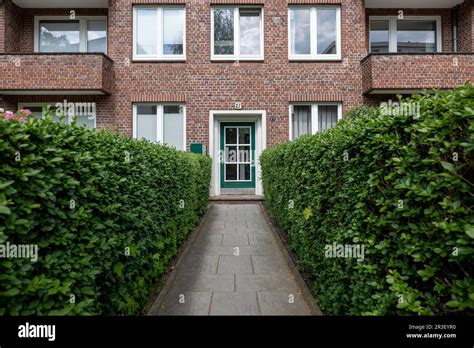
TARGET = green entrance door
(237,145)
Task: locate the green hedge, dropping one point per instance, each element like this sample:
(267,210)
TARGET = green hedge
(107,213)
(393,185)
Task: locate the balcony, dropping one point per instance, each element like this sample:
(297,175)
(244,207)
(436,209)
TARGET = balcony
(56,74)
(72,4)
(390,73)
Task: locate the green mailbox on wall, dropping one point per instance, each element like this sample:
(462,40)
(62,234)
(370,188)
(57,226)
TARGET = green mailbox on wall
(198,148)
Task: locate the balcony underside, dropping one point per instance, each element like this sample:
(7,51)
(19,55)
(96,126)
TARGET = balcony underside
(72,4)
(55,74)
(399,4)
(408,73)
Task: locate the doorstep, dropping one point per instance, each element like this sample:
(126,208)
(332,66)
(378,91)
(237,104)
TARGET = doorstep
(236,198)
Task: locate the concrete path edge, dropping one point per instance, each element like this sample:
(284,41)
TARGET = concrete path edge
(289,260)
(180,256)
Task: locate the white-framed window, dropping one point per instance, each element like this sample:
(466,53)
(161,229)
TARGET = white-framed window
(86,115)
(314,32)
(163,123)
(63,34)
(237,33)
(159,33)
(412,34)
(313,117)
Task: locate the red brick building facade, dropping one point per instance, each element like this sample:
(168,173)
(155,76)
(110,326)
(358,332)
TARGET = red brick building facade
(265,87)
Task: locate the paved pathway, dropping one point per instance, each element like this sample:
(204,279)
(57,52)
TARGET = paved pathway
(235,266)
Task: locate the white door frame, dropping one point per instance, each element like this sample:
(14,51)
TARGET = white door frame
(215,118)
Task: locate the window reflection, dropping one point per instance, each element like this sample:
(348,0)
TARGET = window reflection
(59,36)
(416,36)
(326,30)
(224,31)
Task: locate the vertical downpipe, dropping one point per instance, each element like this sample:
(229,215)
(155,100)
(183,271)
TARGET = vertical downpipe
(454,14)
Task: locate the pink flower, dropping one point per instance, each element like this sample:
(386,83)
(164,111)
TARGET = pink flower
(22,118)
(26,112)
(9,116)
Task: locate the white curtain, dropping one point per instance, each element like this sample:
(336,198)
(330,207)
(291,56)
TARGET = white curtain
(173,127)
(301,120)
(327,116)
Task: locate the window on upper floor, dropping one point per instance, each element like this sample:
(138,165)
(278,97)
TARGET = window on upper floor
(61,34)
(159,33)
(313,118)
(160,123)
(314,32)
(410,35)
(237,33)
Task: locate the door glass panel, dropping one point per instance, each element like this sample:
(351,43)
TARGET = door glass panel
(231,172)
(231,135)
(59,36)
(244,171)
(231,154)
(238,153)
(244,135)
(244,154)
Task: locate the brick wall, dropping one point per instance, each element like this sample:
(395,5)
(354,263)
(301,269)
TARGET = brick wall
(85,72)
(409,71)
(204,85)
(10,20)
(2,28)
(466,27)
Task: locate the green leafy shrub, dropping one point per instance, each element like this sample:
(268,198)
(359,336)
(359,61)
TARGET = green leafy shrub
(400,186)
(107,213)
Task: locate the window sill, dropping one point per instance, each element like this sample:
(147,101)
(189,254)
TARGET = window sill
(316,60)
(235,59)
(229,60)
(177,60)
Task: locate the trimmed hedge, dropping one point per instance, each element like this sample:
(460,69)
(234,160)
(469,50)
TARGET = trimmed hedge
(107,212)
(399,186)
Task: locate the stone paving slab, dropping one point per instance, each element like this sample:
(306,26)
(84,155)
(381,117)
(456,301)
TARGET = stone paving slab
(200,264)
(260,239)
(184,303)
(203,282)
(233,250)
(269,264)
(234,266)
(281,303)
(234,303)
(265,282)
(235,240)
